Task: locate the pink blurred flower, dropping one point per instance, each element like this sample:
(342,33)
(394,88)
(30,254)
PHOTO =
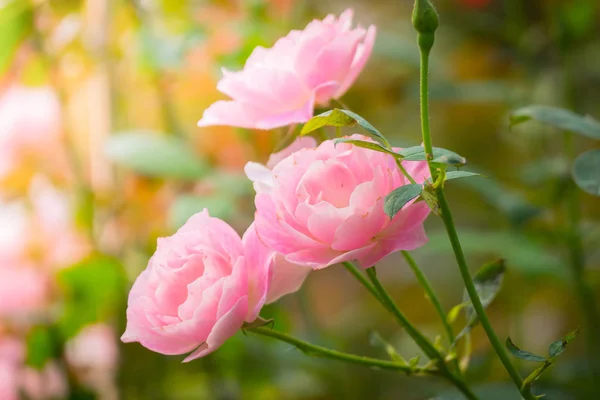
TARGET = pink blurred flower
(45,384)
(93,348)
(325,205)
(281,85)
(23,290)
(12,354)
(30,123)
(200,286)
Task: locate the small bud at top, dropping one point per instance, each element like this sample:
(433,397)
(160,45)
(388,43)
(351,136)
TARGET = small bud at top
(424,17)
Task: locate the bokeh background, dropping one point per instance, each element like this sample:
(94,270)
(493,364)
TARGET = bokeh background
(100,155)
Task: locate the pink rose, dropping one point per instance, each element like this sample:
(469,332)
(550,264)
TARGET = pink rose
(325,206)
(199,288)
(281,85)
(93,348)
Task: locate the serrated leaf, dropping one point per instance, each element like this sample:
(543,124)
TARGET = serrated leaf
(399,197)
(558,118)
(155,155)
(339,117)
(364,144)
(442,156)
(522,354)
(557,347)
(377,341)
(586,172)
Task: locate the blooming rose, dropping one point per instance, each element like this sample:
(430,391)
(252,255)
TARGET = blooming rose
(324,205)
(281,85)
(199,288)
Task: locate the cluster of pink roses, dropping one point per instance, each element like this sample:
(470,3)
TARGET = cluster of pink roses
(316,205)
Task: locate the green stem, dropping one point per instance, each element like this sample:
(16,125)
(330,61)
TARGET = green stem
(363,280)
(474,296)
(425,44)
(404,171)
(412,331)
(318,351)
(424,282)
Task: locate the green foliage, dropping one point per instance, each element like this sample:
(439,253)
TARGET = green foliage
(364,144)
(41,347)
(399,197)
(557,347)
(92,292)
(522,354)
(441,156)
(488,281)
(341,118)
(558,118)
(586,172)
(219,206)
(377,341)
(155,155)
(16,22)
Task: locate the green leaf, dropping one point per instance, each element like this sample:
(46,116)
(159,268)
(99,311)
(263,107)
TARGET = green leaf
(219,206)
(377,341)
(510,202)
(460,174)
(442,156)
(586,172)
(558,118)
(257,323)
(450,175)
(523,254)
(557,347)
(155,155)
(92,292)
(488,281)
(338,117)
(41,347)
(399,197)
(364,144)
(522,354)
(16,22)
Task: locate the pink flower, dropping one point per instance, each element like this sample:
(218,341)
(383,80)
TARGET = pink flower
(281,85)
(23,289)
(30,123)
(199,288)
(325,206)
(93,348)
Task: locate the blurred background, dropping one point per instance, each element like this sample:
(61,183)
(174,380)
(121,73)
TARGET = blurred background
(100,155)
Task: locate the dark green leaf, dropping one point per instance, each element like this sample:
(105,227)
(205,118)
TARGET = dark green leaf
(558,118)
(442,156)
(586,172)
(523,254)
(257,323)
(219,205)
(92,291)
(41,347)
(155,155)
(338,117)
(488,281)
(509,202)
(399,197)
(460,174)
(522,354)
(557,347)
(364,144)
